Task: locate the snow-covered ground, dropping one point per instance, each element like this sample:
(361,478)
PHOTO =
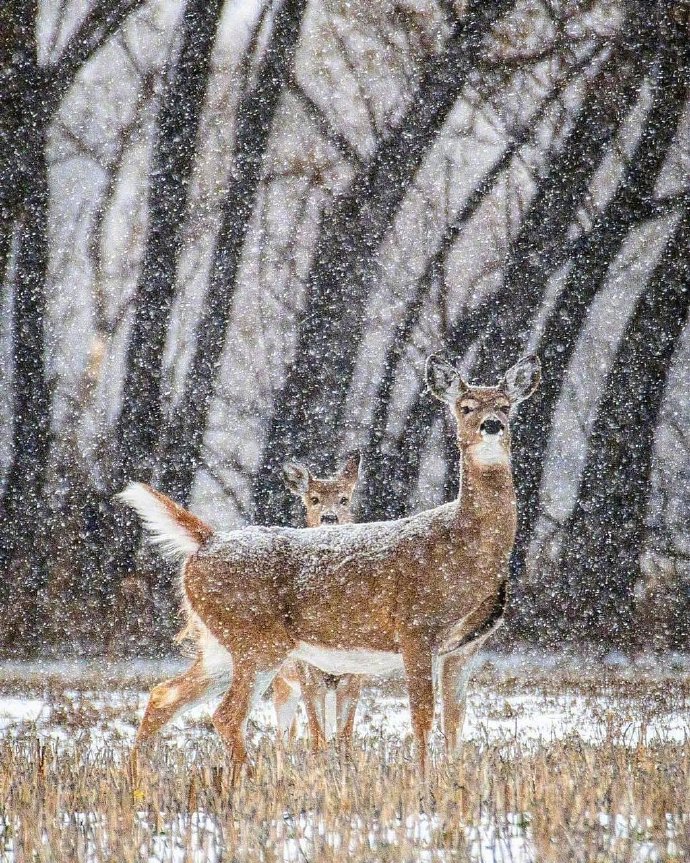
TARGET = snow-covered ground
(526,715)
(64,704)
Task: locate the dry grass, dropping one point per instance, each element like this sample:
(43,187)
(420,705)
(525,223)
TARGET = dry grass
(75,796)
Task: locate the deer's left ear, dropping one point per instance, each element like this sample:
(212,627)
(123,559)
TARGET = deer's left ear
(522,379)
(350,470)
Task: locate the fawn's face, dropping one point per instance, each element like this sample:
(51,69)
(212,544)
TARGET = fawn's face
(326,501)
(483,414)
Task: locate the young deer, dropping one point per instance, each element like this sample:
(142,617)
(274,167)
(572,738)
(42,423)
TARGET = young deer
(330,700)
(416,594)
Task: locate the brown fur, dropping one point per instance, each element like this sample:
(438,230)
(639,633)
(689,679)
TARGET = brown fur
(329,498)
(257,593)
(197,528)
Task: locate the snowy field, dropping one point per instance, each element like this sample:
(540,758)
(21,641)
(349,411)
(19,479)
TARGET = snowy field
(562,761)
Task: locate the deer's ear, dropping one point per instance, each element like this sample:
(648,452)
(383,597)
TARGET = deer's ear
(443,380)
(350,470)
(522,379)
(296,477)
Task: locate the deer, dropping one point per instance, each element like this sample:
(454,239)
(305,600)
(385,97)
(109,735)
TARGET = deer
(330,700)
(417,594)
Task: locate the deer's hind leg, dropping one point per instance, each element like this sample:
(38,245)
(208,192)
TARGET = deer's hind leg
(313,696)
(171,697)
(256,662)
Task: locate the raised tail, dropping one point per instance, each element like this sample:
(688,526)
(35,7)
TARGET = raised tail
(175,531)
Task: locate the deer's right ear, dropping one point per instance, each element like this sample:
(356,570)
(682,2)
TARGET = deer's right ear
(296,477)
(443,380)
(350,470)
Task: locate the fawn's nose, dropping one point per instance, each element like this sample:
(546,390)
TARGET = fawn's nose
(329,518)
(491,425)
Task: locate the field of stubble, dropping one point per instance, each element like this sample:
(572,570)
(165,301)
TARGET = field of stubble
(562,762)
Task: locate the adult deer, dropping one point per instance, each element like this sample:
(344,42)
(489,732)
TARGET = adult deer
(371,598)
(330,700)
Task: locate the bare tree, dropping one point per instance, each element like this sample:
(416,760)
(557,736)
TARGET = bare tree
(308,411)
(603,536)
(187,422)
(31,98)
(593,255)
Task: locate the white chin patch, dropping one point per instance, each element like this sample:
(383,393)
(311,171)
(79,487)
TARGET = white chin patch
(491,450)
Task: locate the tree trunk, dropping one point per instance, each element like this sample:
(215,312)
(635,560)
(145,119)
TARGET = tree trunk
(390,476)
(537,249)
(140,420)
(188,420)
(24,204)
(594,257)
(308,413)
(604,533)
(31,95)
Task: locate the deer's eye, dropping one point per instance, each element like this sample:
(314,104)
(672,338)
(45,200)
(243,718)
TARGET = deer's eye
(314,500)
(466,409)
(344,501)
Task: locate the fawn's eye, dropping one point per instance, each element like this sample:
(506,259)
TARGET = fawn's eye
(314,500)
(466,409)
(344,501)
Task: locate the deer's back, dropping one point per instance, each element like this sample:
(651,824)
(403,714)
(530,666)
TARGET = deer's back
(319,579)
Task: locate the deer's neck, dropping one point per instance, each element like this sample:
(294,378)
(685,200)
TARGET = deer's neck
(486,506)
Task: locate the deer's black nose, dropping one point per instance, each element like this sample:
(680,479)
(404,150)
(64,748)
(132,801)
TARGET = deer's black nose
(329,518)
(491,426)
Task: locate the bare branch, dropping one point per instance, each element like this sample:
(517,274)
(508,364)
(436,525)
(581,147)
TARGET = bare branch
(104,19)
(323,124)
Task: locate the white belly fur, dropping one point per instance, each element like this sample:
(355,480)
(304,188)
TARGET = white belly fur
(377,663)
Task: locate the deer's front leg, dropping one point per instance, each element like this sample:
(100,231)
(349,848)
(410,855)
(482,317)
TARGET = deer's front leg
(286,696)
(417,658)
(455,675)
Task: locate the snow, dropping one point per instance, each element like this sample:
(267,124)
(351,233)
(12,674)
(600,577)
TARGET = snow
(491,717)
(516,721)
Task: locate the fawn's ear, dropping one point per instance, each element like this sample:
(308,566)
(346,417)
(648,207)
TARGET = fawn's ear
(349,472)
(296,477)
(443,380)
(522,379)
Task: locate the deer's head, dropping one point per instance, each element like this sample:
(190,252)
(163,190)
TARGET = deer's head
(483,414)
(326,501)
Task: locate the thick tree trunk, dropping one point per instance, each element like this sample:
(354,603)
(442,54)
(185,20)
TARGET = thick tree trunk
(308,413)
(188,420)
(537,249)
(24,207)
(139,425)
(594,256)
(603,536)
(30,95)
(140,420)
(390,475)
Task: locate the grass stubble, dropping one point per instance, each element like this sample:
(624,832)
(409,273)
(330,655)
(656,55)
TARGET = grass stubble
(73,795)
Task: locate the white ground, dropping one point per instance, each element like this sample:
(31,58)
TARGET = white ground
(491,717)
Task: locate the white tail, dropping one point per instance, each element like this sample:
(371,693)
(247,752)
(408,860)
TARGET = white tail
(175,531)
